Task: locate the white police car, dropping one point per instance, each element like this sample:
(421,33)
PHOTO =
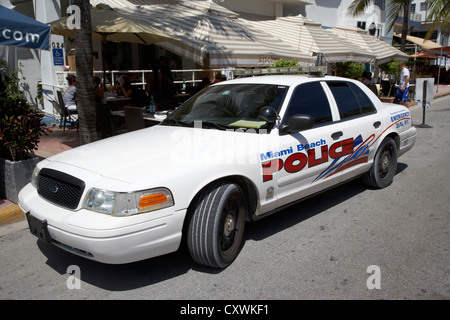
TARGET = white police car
(235,152)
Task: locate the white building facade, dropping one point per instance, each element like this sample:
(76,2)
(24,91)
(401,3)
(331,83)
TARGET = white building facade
(420,11)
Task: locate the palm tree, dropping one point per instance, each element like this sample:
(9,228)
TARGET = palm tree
(393,10)
(439,14)
(85,81)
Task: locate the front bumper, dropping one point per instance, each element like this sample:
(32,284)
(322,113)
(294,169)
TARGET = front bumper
(407,140)
(104,238)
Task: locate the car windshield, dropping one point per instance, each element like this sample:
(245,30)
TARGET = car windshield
(229,106)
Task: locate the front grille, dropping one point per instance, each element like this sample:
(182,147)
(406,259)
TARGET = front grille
(60,188)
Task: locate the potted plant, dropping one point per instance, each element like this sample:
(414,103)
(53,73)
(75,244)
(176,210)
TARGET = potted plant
(20,132)
(391,71)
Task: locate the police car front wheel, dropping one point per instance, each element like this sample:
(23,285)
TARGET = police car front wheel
(217,225)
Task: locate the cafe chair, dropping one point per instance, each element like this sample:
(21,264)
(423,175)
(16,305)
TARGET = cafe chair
(65,114)
(134,118)
(139,98)
(105,120)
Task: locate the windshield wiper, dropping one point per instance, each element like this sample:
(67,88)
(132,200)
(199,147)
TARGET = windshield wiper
(179,123)
(210,124)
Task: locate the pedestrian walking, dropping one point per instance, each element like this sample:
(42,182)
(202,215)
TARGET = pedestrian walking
(402,91)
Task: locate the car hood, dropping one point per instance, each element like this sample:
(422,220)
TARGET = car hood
(158,151)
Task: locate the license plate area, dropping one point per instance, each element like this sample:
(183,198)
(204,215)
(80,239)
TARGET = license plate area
(38,228)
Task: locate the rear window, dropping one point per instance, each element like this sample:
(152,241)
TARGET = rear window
(350,99)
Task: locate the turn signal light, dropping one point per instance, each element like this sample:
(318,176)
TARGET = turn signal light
(153,199)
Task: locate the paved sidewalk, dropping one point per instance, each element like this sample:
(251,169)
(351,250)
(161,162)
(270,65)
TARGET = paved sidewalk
(60,140)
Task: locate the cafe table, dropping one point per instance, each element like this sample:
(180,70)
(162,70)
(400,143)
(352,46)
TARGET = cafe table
(151,119)
(116,102)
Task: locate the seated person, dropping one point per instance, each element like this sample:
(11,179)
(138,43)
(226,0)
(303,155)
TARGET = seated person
(125,85)
(118,89)
(70,95)
(99,90)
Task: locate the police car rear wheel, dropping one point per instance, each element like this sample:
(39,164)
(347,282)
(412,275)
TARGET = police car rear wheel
(217,226)
(384,166)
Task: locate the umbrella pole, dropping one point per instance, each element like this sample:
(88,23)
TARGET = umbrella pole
(103,62)
(439,72)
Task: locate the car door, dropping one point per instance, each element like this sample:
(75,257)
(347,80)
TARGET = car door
(298,167)
(359,126)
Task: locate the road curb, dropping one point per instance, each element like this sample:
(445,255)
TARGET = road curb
(10,214)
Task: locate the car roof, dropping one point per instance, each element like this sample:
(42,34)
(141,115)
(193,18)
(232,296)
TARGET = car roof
(282,79)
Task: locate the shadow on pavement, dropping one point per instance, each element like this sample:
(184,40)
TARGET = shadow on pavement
(143,273)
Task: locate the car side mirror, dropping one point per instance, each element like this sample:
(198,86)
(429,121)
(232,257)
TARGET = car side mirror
(296,123)
(268,114)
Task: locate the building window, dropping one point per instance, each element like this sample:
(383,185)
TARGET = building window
(361,24)
(380,4)
(423,6)
(413,8)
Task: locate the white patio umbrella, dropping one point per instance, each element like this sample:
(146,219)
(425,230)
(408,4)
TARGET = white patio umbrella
(383,51)
(309,36)
(209,32)
(110,25)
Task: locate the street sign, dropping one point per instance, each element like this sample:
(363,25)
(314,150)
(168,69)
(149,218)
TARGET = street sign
(429,83)
(424,94)
(58,57)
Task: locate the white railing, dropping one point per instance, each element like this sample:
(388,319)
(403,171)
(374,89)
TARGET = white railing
(189,76)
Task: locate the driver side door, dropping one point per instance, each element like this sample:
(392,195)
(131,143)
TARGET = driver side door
(305,157)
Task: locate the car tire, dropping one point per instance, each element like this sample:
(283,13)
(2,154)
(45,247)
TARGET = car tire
(382,172)
(217,225)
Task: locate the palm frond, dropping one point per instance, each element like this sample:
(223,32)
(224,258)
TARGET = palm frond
(358,6)
(439,14)
(393,10)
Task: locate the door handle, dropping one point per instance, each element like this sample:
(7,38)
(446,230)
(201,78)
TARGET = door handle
(337,135)
(377,124)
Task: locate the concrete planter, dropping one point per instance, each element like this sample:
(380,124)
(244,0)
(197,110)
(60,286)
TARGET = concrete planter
(387,99)
(14,175)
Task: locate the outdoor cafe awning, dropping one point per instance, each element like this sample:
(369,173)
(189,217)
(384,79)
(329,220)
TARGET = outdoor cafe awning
(426,44)
(442,51)
(19,30)
(206,32)
(424,55)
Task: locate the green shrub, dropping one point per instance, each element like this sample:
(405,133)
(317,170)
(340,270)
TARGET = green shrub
(350,70)
(283,63)
(392,72)
(20,123)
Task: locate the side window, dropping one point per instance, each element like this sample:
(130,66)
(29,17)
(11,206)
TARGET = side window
(350,99)
(310,99)
(345,98)
(364,101)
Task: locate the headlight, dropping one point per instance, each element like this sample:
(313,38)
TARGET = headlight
(128,204)
(35,177)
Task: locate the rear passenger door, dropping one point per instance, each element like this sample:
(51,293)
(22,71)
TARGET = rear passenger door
(359,126)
